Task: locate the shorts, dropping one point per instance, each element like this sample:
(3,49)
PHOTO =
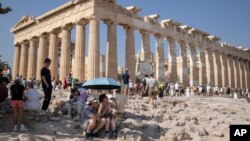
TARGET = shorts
(17,103)
(151,91)
(125,86)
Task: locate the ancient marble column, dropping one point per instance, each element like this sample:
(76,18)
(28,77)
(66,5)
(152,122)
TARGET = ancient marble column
(41,54)
(16,62)
(230,64)
(65,53)
(160,70)
(210,67)
(217,69)
(172,66)
(24,60)
(183,64)
(242,74)
(32,58)
(193,76)
(79,60)
(145,46)
(247,73)
(102,66)
(53,53)
(202,68)
(236,72)
(130,52)
(94,48)
(111,59)
(224,69)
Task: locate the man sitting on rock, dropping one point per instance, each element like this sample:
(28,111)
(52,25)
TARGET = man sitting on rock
(92,122)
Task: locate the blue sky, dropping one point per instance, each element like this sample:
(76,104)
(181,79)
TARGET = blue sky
(227,19)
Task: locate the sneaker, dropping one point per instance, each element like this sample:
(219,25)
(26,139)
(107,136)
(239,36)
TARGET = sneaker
(23,128)
(88,136)
(42,113)
(15,129)
(94,134)
(114,135)
(77,118)
(67,116)
(108,135)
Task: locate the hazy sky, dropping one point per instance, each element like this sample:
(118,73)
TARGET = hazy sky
(227,19)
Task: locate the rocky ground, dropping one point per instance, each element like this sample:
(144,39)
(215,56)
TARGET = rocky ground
(175,119)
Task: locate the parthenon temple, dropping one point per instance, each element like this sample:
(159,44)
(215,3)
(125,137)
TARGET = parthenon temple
(203,58)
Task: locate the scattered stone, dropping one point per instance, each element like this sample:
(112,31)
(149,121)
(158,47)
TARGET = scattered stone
(131,135)
(218,134)
(56,119)
(202,131)
(180,123)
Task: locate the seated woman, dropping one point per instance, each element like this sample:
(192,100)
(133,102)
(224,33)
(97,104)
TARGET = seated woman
(72,102)
(105,111)
(31,98)
(92,122)
(78,99)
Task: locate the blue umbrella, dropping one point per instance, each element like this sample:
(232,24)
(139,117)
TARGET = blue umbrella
(102,83)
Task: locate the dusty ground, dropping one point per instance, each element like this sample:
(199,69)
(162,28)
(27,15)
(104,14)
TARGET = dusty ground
(195,118)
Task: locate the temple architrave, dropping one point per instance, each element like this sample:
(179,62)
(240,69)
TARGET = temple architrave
(202,59)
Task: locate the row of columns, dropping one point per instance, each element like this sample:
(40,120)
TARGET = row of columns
(214,67)
(30,65)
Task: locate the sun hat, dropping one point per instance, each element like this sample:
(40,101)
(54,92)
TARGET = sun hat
(91,100)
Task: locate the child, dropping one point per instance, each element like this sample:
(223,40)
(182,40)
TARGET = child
(17,94)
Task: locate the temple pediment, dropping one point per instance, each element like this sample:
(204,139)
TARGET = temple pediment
(24,20)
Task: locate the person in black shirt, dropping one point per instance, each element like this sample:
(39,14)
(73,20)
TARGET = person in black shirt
(125,78)
(17,94)
(46,85)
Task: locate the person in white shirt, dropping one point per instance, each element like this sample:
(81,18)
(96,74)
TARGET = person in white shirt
(171,89)
(235,95)
(32,101)
(176,86)
(131,87)
(151,91)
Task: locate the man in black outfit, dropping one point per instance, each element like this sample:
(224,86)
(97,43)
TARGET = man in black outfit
(125,78)
(46,84)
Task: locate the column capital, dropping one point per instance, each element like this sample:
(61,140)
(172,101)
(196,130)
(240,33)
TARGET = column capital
(182,42)
(158,36)
(43,35)
(26,42)
(191,45)
(55,31)
(109,22)
(94,17)
(82,21)
(128,27)
(34,39)
(143,31)
(170,39)
(67,26)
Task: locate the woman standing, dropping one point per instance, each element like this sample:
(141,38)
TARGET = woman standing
(17,95)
